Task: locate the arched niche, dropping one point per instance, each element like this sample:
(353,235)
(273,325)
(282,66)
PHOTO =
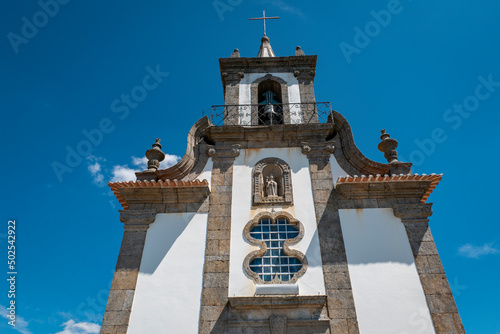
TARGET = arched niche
(264,173)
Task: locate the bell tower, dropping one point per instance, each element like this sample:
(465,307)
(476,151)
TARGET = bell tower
(267,89)
(275,222)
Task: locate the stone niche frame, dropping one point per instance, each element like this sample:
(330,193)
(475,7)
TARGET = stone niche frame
(263,247)
(284,183)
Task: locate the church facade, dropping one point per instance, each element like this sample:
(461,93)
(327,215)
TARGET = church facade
(274,222)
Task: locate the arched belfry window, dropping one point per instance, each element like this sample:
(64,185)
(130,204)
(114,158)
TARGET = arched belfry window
(270,103)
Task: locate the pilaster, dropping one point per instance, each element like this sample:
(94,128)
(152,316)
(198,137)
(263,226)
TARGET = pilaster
(121,295)
(305,77)
(213,314)
(340,300)
(231,94)
(430,270)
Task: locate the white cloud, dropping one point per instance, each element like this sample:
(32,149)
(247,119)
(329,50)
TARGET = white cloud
(95,169)
(286,7)
(73,327)
(123,174)
(141,163)
(475,252)
(21,324)
(169,161)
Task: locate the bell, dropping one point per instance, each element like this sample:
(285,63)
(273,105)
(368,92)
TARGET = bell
(269,110)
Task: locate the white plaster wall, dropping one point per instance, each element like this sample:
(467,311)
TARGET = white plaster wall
(312,282)
(207,173)
(388,295)
(169,287)
(245,96)
(337,171)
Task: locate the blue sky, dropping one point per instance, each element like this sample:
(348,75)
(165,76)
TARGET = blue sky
(428,72)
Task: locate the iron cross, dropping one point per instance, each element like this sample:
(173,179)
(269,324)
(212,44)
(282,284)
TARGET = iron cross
(264,18)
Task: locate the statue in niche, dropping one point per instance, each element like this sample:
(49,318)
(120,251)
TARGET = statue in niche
(271,181)
(271,186)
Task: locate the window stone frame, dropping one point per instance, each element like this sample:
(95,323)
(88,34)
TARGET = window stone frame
(263,247)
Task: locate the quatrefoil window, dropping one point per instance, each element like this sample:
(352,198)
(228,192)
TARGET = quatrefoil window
(275,262)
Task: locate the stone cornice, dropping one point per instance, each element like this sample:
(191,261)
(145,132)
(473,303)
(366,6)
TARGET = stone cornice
(292,135)
(276,302)
(164,192)
(137,219)
(385,186)
(413,212)
(258,65)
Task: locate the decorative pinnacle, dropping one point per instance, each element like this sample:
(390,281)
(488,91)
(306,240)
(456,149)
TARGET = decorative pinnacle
(235,54)
(155,155)
(299,52)
(388,145)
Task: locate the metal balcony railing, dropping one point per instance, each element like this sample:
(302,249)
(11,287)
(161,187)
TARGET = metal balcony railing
(271,114)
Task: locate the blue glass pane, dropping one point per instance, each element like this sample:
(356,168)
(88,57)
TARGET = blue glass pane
(256,262)
(257,270)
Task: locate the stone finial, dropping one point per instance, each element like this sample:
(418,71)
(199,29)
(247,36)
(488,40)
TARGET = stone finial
(155,155)
(235,54)
(299,52)
(388,145)
(265,48)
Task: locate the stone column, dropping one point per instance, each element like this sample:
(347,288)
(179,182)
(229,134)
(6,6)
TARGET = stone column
(340,299)
(436,288)
(213,315)
(121,296)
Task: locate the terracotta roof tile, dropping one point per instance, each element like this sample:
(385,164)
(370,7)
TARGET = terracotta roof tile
(116,186)
(434,178)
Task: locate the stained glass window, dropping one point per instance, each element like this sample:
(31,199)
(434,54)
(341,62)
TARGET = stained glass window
(275,263)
